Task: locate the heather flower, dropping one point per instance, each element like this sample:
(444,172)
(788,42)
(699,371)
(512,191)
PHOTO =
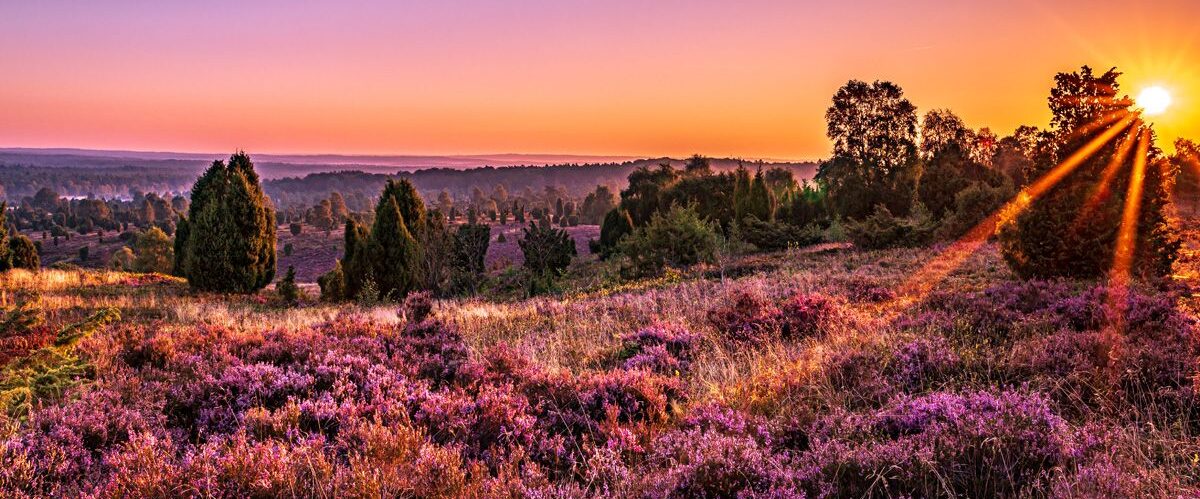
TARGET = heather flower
(804,314)
(922,361)
(977,444)
(665,349)
(746,317)
(417,306)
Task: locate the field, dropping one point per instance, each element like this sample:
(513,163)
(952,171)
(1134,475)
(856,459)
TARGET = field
(798,373)
(313,251)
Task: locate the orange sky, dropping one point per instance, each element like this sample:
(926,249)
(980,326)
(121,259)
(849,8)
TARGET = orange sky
(663,77)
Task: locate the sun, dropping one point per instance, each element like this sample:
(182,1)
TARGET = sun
(1154,100)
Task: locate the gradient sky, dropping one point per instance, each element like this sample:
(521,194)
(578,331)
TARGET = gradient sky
(651,77)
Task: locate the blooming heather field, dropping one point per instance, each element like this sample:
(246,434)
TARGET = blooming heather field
(800,374)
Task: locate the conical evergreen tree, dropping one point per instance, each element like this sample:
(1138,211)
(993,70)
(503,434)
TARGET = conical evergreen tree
(229,245)
(355,266)
(392,251)
(761,201)
(412,208)
(741,194)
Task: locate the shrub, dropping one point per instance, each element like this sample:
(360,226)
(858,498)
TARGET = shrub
(746,317)
(666,349)
(288,291)
(155,252)
(803,314)
(775,236)
(547,250)
(883,230)
(23,252)
(295,228)
(616,225)
(333,284)
(470,248)
(1071,230)
(122,259)
(677,238)
(83,253)
(417,306)
(288,249)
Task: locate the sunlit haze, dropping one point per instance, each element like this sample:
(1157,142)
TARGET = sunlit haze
(613,77)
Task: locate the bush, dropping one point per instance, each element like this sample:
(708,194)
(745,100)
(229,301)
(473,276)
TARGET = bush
(666,349)
(775,236)
(288,291)
(616,225)
(23,252)
(547,250)
(288,249)
(333,284)
(295,228)
(677,238)
(971,206)
(746,317)
(883,230)
(417,306)
(155,252)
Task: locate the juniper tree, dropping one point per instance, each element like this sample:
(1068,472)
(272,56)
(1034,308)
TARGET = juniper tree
(392,250)
(229,241)
(23,253)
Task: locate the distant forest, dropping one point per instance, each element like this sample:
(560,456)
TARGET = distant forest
(21,177)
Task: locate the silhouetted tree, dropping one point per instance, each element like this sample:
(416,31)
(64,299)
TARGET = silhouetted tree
(874,129)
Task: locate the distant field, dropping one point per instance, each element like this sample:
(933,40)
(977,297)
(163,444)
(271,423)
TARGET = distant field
(314,252)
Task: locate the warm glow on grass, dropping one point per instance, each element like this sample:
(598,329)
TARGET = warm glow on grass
(1154,100)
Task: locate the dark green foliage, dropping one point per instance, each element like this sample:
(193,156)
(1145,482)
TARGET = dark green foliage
(5,258)
(437,253)
(678,238)
(778,235)
(697,165)
(288,291)
(288,249)
(21,319)
(295,228)
(182,230)
(943,176)
(23,253)
(333,284)
(355,265)
(874,131)
(392,251)
(971,206)
(644,196)
(412,207)
(547,250)
(1071,230)
(804,207)
(470,247)
(710,195)
(83,253)
(229,244)
(617,224)
(741,193)
(884,230)
(761,203)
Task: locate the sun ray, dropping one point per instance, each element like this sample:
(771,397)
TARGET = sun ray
(924,279)
(1103,188)
(1121,273)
